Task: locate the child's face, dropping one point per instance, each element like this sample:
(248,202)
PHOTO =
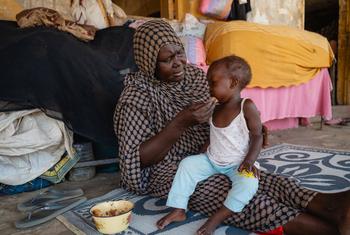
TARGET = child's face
(221,85)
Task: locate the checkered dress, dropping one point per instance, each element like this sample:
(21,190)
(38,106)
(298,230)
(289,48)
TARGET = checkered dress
(147,105)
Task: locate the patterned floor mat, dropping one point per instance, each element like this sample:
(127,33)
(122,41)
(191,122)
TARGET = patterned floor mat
(322,170)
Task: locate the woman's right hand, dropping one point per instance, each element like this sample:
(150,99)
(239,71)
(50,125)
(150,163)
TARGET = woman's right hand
(195,114)
(157,147)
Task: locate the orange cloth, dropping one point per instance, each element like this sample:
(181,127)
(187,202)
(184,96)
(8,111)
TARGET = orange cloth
(278,55)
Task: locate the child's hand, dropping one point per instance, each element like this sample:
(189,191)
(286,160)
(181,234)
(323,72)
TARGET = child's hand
(248,166)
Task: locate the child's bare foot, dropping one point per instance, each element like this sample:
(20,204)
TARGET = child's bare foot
(208,227)
(176,215)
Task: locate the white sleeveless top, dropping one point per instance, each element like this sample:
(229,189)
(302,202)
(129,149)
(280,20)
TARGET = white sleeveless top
(229,145)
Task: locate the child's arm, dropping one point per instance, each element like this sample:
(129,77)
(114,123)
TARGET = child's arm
(252,118)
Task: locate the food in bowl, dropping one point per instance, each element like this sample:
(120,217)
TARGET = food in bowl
(112,216)
(112,212)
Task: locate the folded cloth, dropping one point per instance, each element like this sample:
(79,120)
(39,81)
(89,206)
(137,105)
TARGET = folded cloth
(57,172)
(51,18)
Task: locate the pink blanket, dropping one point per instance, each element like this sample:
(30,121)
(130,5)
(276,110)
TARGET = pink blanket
(282,107)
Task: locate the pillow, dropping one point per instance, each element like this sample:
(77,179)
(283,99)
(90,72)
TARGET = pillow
(194,49)
(189,27)
(191,33)
(9,9)
(218,9)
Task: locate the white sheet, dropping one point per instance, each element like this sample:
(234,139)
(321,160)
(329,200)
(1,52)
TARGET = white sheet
(30,144)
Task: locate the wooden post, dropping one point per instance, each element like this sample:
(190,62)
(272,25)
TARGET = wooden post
(343,82)
(167,9)
(180,10)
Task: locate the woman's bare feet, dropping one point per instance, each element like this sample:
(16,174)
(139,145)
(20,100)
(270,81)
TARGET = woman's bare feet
(208,227)
(176,215)
(334,208)
(344,225)
(215,220)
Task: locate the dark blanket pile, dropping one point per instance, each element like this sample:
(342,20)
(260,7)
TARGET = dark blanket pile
(68,79)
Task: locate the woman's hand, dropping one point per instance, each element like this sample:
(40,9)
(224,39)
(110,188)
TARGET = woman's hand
(156,148)
(195,114)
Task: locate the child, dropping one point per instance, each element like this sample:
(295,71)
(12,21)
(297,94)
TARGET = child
(235,143)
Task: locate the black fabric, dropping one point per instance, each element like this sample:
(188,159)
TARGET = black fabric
(239,11)
(68,79)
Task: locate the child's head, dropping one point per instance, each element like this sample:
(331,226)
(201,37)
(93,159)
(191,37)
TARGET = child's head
(228,75)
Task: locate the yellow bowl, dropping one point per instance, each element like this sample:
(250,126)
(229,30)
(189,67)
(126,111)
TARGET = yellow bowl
(112,216)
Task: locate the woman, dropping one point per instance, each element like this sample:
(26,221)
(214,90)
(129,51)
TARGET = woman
(161,118)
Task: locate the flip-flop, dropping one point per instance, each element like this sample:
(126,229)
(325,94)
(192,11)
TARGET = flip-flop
(48,212)
(334,121)
(48,196)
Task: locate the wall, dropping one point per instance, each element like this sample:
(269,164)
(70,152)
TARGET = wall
(139,7)
(343,82)
(281,12)
(9,9)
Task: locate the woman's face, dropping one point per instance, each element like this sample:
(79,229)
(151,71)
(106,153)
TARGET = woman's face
(171,63)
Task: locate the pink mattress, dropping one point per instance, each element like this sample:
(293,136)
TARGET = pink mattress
(281,108)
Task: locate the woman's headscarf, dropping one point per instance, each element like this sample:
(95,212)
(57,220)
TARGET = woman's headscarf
(148,39)
(168,98)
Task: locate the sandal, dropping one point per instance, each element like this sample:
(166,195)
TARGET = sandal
(48,212)
(48,196)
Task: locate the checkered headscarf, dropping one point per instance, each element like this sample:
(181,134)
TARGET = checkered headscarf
(148,39)
(168,98)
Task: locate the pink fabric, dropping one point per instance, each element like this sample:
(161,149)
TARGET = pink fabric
(280,124)
(218,9)
(195,50)
(280,108)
